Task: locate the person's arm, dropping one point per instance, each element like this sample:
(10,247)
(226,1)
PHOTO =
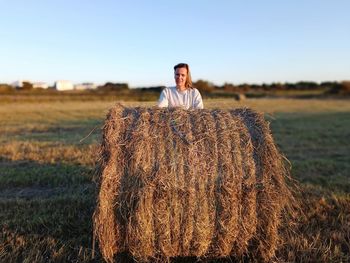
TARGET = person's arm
(163,100)
(198,102)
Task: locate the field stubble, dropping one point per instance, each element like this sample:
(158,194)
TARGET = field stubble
(48,157)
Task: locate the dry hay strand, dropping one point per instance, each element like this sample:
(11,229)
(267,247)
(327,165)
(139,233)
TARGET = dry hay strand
(177,183)
(227,187)
(203,207)
(242,157)
(108,232)
(272,193)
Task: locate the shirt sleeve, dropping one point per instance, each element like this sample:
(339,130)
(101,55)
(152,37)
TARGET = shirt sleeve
(198,102)
(163,100)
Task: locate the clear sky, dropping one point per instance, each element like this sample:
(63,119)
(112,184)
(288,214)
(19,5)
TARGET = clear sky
(139,42)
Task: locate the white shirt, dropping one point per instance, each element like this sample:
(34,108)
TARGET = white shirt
(172,97)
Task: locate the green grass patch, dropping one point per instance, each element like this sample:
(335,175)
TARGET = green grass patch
(317,146)
(32,174)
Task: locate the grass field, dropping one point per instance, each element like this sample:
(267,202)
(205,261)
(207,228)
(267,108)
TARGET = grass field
(48,157)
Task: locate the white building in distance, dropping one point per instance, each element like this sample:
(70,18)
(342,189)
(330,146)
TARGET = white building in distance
(19,83)
(64,85)
(35,85)
(40,85)
(85,86)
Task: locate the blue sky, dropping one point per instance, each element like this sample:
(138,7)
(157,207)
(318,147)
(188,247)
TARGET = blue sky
(139,42)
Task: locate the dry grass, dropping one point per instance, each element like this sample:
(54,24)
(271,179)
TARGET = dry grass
(40,152)
(321,233)
(189,183)
(51,153)
(50,112)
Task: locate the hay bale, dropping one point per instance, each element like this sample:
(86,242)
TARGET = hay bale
(177,183)
(241,96)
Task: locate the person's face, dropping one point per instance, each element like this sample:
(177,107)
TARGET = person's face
(180,77)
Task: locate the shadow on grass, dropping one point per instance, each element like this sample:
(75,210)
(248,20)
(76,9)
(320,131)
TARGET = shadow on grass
(59,228)
(46,212)
(26,173)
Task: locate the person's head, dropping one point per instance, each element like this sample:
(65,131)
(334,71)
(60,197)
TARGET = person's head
(182,75)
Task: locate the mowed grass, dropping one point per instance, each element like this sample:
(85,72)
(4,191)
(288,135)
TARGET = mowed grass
(48,155)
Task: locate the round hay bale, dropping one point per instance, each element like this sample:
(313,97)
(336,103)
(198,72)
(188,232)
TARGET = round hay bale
(184,183)
(241,96)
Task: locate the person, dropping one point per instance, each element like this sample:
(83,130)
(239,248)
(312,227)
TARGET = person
(183,94)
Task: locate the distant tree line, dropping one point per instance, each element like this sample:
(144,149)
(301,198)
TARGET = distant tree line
(334,87)
(327,87)
(207,87)
(110,86)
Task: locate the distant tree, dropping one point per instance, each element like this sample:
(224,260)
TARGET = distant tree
(345,87)
(341,88)
(244,87)
(264,86)
(330,85)
(109,86)
(228,87)
(276,86)
(306,85)
(217,87)
(5,88)
(27,86)
(289,86)
(254,87)
(153,89)
(203,86)
(327,83)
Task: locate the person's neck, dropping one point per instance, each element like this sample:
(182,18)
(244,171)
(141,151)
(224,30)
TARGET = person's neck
(181,88)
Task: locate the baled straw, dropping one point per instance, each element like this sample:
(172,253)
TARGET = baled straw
(178,183)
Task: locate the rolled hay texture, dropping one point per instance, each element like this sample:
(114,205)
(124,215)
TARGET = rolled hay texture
(180,183)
